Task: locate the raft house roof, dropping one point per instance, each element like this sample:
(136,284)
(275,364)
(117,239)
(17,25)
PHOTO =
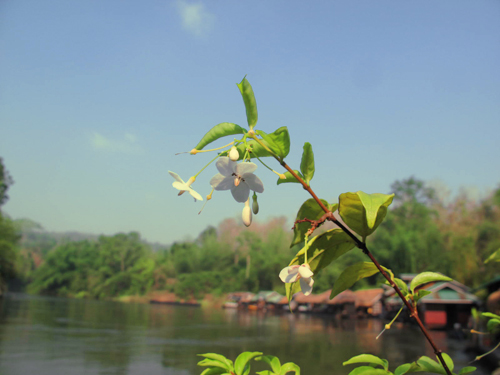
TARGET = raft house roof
(443,292)
(365,297)
(368,297)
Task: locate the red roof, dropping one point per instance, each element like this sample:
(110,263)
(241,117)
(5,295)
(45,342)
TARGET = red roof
(347,296)
(313,298)
(368,297)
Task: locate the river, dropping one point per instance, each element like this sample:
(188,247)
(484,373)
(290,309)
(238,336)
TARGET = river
(59,336)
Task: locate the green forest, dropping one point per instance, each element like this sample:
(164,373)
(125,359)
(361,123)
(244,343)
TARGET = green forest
(422,232)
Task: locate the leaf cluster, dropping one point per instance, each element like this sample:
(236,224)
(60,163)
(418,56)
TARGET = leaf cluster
(379,366)
(361,212)
(217,364)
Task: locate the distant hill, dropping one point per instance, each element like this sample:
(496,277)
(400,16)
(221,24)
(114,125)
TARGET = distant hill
(34,237)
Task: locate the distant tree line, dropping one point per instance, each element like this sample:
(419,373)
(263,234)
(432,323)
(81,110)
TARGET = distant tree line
(422,232)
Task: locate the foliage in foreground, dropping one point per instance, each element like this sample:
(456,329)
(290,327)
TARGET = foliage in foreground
(217,364)
(358,216)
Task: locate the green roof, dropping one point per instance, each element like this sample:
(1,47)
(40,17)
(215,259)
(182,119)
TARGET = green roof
(446,295)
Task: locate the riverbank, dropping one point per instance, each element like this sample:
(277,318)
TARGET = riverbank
(164,297)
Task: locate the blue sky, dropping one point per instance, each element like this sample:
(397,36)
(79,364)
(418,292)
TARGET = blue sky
(96,97)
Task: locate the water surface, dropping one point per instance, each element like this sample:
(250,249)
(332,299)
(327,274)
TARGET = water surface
(59,336)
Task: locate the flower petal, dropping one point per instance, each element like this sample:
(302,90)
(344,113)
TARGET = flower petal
(240,192)
(306,285)
(305,271)
(254,182)
(245,167)
(180,186)
(219,182)
(226,166)
(289,274)
(176,176)
(195,195)
(246,215)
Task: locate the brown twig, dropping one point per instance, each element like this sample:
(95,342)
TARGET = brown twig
(411,308)
(314,223)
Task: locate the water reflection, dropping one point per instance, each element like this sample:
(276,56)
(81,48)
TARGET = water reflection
(61,336)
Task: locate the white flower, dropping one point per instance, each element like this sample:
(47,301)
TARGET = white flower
(246,215)
(237,177)
(303,273)
(179,184)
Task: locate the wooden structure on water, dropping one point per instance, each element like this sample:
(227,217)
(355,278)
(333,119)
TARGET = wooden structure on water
(449,304)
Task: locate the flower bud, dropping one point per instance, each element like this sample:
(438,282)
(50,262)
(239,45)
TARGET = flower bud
(234,155)
(255,204)
(247,214)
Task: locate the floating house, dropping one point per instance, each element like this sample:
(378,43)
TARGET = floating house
(237,299)
(369,302)
(344,304)
(264,300)
(313,302)
(448,304)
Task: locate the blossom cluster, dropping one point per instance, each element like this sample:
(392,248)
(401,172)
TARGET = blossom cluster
(237,177)
(240,180)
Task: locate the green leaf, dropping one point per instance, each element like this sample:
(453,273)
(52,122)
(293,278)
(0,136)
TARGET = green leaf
(448,361)
(363,212)
(323,250)
(429,365)
(475,313)
(427,277)
(228,364)
(214,363)
(249,100)
(289,178)
(421,294)
(354,273)
(490,315)
(493,325)
(310,209)
(265,372)
(369,370)
(407,368)
(402,369)
(218,131)
(495,257)
(402,286)
(278,141)
(289,367)
(467,370)
(213,371)
(272,361)
(242,360)
(368,358)
(307,163)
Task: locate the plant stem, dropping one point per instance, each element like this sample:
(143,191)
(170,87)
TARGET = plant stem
(411,308)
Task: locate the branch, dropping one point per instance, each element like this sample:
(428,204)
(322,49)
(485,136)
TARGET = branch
(314,223)
(413,309)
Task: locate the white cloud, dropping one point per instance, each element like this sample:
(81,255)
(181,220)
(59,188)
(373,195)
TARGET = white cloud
(195,18)
(126,145)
